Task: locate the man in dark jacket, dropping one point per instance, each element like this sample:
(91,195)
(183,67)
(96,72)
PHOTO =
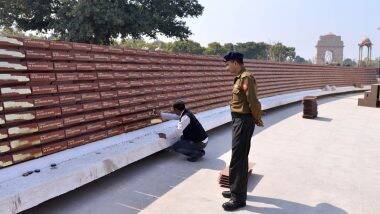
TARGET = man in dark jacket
(193,136)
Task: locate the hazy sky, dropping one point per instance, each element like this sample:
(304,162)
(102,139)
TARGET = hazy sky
(297,23)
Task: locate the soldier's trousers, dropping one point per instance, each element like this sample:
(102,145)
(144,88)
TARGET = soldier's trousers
(242,130)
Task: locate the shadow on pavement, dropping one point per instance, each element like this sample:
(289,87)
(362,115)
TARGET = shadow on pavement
(323,119)
(253,181)
(279,206)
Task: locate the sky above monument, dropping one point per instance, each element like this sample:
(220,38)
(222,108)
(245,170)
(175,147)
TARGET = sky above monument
(297,23)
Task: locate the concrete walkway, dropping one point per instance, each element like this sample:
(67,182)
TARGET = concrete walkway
(327,165)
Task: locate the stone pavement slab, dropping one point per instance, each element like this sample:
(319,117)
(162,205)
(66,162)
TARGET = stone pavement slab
(327,165)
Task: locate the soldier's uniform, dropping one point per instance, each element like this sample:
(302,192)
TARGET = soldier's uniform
(245,111)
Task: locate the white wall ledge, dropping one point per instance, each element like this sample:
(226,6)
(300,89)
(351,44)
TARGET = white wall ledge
(81,165)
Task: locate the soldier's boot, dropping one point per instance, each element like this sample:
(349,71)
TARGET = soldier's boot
(233,205)
(226,194)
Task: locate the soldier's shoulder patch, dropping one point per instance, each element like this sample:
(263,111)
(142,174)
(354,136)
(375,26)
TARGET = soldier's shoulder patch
(246,74)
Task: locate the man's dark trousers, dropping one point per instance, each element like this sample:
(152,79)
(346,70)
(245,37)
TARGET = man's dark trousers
(242,130)
(189,148)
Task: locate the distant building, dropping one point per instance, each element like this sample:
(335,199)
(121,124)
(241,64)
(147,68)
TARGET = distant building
(329,50)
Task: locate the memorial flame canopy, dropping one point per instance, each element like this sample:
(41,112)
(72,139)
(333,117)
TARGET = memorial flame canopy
(366,42)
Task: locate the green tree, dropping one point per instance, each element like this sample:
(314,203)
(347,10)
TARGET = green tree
(349,62)
(253,50)
(134,43)
(99,21)
(229,47)
(185,46)
(281,53)
(299,59)
(9,31)
(215,48)
(142,44)
(159,45)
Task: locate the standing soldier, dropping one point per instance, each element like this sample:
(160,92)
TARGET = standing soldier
(245,112)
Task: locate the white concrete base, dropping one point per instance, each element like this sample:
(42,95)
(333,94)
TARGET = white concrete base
(81,165)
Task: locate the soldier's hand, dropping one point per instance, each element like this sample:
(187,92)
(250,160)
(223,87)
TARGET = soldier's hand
(259,122)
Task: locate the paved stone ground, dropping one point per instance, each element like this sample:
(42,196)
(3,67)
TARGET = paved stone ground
(326,165)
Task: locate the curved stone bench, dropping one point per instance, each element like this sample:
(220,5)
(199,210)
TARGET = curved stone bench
(81,165)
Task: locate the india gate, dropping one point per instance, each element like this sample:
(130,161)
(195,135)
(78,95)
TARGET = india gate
(329,49)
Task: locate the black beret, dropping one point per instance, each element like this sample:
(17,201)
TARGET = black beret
(234,56)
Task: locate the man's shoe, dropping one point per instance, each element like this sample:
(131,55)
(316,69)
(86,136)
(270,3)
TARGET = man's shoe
(226,194)
(233,205)
(192,159)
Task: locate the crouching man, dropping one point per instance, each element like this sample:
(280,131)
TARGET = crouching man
(193,136)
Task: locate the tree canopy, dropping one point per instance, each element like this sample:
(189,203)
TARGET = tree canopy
(99,21)
(215,48)
(185,46)
(349,62)
(251,50)
(279,52)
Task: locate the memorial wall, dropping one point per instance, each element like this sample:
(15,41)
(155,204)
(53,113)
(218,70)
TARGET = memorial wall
(59,95)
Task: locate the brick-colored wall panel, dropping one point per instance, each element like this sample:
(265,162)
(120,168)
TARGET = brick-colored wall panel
(115,131)
(73,120)
(22,129)
(59,95)
(13,78)
(81,56)
(85,66)
(87,76)
(19,117)
(90,96)
(65,66)
(50,124)
(26,155)
(39,66)
(58,45)
(36,43)
(4,147)
(42,77)
(44,89)
(72,109)
(75,131)
(15,91)
(6,160)
(78,141)
(54,148)
(68,88)
(92,106)
(69,99)
(81,47)
(52,136)
(97,136)
(96,126)
(94,116)
(25,142)
(50,112)
(67,76)
(38,54)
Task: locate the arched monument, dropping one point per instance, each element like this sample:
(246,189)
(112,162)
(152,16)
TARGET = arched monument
(365,43)
(329,49)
